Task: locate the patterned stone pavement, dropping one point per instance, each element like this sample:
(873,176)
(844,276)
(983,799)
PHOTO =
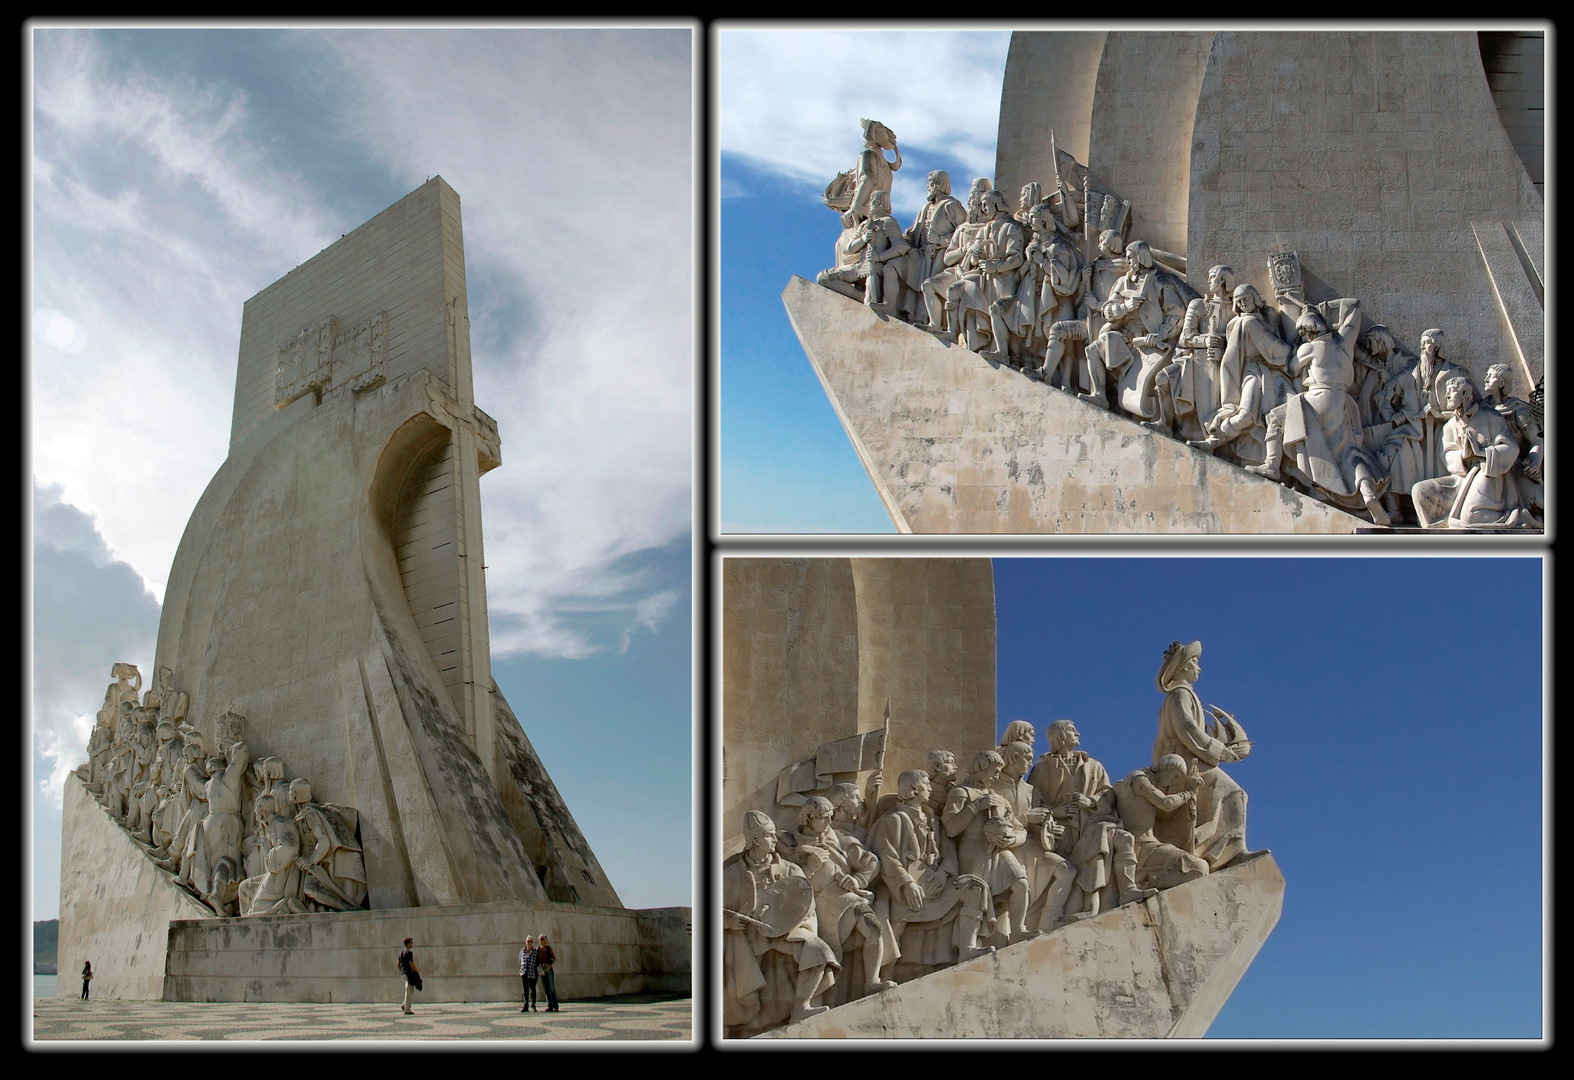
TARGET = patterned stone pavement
(635,1016)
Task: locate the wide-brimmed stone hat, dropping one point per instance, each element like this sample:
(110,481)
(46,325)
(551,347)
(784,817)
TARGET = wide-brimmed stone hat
(1174,656)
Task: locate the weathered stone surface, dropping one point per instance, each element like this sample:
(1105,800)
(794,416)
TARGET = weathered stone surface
(1370,153)
(955,444)
(115,904)
(1161,968)
(816,649)
(467,952)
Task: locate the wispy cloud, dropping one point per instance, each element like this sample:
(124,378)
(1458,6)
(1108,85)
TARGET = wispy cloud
(790,100)
(91,610)
(160,206)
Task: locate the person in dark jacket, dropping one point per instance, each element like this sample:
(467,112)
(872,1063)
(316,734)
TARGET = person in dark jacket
(412,977)
(87,976)
(545,959)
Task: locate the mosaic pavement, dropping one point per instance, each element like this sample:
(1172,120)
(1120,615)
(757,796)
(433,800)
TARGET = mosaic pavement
(634,1016)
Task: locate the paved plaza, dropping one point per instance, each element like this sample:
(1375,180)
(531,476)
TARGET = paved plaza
(634,1016)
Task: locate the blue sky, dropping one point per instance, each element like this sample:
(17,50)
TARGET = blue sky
(1395,707)
(177,172)
(788,106)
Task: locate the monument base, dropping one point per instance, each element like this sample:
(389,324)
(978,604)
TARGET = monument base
(957,444)
(1161,968)
(467,952)
(149,939)
(115,904)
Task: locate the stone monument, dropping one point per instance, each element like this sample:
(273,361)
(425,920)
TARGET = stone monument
(876,890)
(326,765)
(1381,187)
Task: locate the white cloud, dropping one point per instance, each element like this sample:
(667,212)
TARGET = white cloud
(574,164)
(159,208)
(790,100)
(90,610)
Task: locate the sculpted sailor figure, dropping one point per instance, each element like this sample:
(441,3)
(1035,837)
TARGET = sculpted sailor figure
(330,860)
(1525,426)
(1161,792)
(846,277)
(1204,739)
(1432,373)
(277,890)
(1394,432)
(1316,434)
(1075,788)
(990,272)
(1252,380)
(952,264)
(931,232)
(215,867)
(874,172)
(773,963)
(1142,318)
(841,870)
(1049,875)
(942,778)
(935,913)
(980,822)
(880,248)
(1188,390)
(1479,453)
(1050,290)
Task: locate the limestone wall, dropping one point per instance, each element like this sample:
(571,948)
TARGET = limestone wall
(407,261)
(1048,87)
(955,444)
(1144,100)
(1373,154)
(926,645)
(789,671)
(464,953)
(115,905)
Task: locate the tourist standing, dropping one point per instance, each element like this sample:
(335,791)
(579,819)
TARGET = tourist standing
(87,976)
(545,959)
(529,967)
(407,971)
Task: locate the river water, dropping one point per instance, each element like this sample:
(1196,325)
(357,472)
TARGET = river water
(44,985)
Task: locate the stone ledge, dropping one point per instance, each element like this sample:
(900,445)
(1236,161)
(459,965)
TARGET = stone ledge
(956,444)
(1162,968)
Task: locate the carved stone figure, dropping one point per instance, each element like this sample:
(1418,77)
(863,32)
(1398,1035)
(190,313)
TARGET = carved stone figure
(985,832)
(1049,875)
(773,963)
(1161,792)
(1188,390)
(879,247)
(931,232)
(935,913)
(1394,431)
(1479,453)
(1432,375)
(951,265)
(990,270)
(1075,788)
(1252,380)
(1525,425)
(841,870)
(1049,292)
(213,861)
(1204,739)
(332,866)
(277,891)
(942,777)
(1316,434)
(846,276)
(1142,318)
(848,810)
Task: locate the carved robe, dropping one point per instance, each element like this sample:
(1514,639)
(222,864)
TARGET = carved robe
(1480,489)
(759,973)
(1184,729)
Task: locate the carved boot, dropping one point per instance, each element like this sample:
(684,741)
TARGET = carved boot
(1274,444)
(953,320)
(1374,505)
(970,948)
